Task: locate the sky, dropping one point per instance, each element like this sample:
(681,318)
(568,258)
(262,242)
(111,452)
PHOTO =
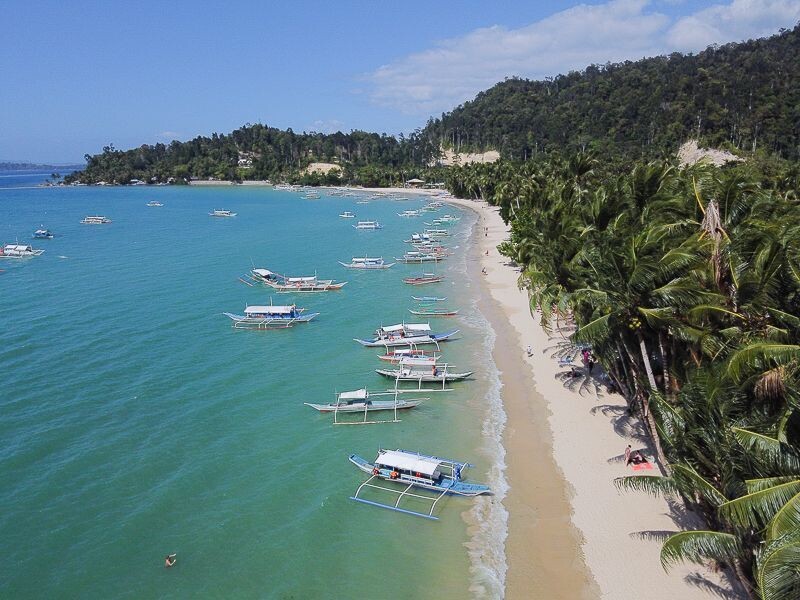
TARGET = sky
(78,75)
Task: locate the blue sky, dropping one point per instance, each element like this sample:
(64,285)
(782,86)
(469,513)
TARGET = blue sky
(78,75)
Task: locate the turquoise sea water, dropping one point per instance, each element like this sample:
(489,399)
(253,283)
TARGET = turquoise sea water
(136,422)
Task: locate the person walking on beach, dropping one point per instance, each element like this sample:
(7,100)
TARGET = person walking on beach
(170,560)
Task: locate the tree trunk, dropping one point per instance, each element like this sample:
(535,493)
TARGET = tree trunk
(651,422)
(665,368)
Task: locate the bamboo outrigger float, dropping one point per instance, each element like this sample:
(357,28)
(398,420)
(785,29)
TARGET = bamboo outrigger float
(414,470)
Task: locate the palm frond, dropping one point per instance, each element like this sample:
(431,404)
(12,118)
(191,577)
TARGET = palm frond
(699,546)
(650,484)
(786,520)
(777,574)
(756,509)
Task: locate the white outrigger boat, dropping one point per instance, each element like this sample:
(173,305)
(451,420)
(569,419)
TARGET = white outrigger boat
(154,203)
(418,238)
(366,263)
(360,401)
(429,298)
(423,370)
(437,233)
(95,220)
(43,234)
(270,317)
(405,334)
(368,225)
(285,285)
(395,356)
(347,215)
(419,257)
(414,470)
(409,213)
(19,251)
(222,213)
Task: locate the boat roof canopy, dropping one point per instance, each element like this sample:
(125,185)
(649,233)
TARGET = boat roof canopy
(300,279)
(391,328)
(418,326)
(408,462)
(272,310)
(262,272)
(354,395)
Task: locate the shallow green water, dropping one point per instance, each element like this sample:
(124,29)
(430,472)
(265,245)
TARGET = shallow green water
(136,422)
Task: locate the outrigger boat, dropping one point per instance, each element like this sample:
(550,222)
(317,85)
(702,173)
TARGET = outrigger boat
(43,234)
(418,238)
(423,370)
(428,298)
(419,257)
(423,279)
(368,225)
(270,317)
(366,263)
(395,356)
(154,203)
(285,285)
(433,312)
(437,233)
(360,401)
(405,334)
(95,220)
(409,213)
(347,215)
(19,251)
(414,470)
(221,213)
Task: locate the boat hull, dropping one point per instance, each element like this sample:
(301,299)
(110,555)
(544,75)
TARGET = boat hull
(372,406)
(423,378)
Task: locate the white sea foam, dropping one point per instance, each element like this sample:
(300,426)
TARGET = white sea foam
(488,517)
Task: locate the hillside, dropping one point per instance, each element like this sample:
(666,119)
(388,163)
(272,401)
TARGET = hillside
(744,96)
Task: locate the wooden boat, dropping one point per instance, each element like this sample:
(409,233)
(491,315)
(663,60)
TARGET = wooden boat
(419,257)
(270,317)
(19,251)
(423,279)
(285,285)
(368,225)
(361,402)
(428,298)
(433,312)
(423,370)
(95,220)
(367,263)
(222,213)
(409,213)
(437,233)
(43,234)
(415,471)
(406,334)
(395,356)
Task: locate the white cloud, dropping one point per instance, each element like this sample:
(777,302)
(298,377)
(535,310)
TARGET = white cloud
(737,21)
(456,69)
(326,126)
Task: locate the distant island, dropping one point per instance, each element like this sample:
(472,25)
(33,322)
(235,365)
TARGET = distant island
(28,166)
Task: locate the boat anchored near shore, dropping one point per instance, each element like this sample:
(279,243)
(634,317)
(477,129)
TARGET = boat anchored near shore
(414,470)
(270,317)
(366,263)
(405,334)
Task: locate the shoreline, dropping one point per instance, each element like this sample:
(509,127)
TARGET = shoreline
(564,447)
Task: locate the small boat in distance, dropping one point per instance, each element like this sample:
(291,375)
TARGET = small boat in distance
(19,251)
(368,225)
(366,263)
(154,203)
(347,215)
(423,279)
(95,220)
(221,213)
(414,470)
(270,317)
(428,298)
(433,312)
(283,284)
(43,234)
(409,213)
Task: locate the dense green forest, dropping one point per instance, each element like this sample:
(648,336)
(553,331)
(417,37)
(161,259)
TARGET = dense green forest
(744,97)
(686,285)
(259,152)
(741,96)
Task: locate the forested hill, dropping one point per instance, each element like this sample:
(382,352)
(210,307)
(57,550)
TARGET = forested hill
(743,96)
(262,152)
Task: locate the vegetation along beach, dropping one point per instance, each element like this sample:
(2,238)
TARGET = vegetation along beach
(542,340)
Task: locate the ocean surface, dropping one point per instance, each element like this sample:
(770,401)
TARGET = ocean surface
(136,422)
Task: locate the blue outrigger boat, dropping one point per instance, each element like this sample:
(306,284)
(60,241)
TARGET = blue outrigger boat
(270,317)
(415,470)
